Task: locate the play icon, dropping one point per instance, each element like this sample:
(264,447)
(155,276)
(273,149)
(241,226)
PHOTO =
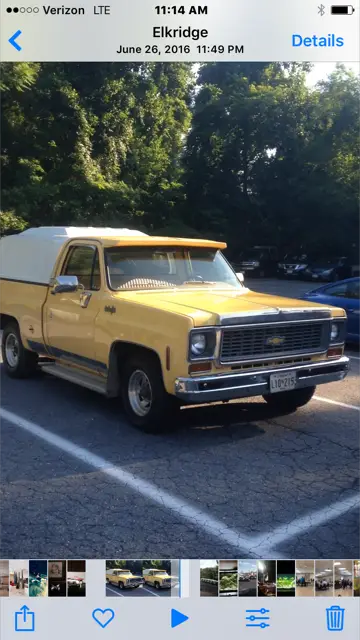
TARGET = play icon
(177,618)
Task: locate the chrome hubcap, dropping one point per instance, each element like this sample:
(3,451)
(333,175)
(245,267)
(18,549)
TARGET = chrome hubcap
(139,390)
(12,350)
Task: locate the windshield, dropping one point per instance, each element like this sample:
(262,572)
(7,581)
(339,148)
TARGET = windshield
(167,268)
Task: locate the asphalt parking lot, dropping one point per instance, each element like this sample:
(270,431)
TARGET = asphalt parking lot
(231,480)
(143,591)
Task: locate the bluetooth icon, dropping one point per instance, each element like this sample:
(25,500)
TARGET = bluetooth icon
(321,9)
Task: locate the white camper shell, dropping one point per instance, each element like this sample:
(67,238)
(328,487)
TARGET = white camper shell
(30,256)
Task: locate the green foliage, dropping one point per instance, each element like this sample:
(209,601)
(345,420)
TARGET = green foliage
(253,156)
(228,582)
(11,223)
(209,573)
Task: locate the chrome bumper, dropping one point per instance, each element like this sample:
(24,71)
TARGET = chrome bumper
(243,385)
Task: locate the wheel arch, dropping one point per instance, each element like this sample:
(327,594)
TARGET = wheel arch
(121,351)
(6,319)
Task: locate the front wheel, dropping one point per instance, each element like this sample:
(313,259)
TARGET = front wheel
(18,361)
(146,402)
(289,401)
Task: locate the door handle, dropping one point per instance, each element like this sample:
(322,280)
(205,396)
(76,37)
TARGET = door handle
(85,299)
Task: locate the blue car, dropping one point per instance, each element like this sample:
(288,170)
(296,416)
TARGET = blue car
(344,294)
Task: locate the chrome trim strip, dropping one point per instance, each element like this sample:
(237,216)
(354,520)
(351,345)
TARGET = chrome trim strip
(241,385)
(265,357)
(282,314)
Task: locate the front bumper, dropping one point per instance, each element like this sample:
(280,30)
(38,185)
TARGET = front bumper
(219,387)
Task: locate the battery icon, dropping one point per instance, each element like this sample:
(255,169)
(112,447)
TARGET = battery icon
(342,10)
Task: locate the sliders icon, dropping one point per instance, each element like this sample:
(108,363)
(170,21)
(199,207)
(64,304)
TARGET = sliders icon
(253,618)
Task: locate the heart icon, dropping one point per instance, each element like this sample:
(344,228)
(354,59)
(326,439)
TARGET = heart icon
(103,616)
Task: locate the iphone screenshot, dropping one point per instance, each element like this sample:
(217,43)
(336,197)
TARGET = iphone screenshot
(179,320)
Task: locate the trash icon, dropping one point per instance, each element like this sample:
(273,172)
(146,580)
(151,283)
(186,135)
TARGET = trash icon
(335,618)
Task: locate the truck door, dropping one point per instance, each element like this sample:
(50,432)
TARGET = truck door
(69,318)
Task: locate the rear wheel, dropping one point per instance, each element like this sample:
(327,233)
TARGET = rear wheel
(146,402)
(289,401)
(18,361)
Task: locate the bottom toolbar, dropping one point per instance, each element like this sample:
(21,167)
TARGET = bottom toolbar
(200,598)
(193,619)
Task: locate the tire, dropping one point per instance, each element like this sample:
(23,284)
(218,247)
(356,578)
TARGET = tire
(121,585)
(289,401)
(157,585)
(149,411)
(18,361)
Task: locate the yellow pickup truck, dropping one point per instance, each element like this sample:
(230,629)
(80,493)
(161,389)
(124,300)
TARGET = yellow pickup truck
(159,578)
(159,322)
(123,579)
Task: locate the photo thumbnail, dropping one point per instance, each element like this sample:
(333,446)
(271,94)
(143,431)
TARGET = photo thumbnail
(266,578)
(4,578)
(228,578)
(285,582)
(305,578)
(57,578)
(19,578)
(76,578)
(38,578)
(357,578)
(324,578)
(142,578)
(247,578)
(343,578)
(209,578)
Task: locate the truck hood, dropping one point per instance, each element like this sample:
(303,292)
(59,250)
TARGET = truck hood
(208,307)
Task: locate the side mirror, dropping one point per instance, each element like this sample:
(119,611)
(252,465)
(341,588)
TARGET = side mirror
(65,284)
(240,277)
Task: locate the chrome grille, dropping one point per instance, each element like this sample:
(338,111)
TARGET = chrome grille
(248,343)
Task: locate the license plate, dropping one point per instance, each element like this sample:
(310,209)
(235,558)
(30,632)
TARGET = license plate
(282,381)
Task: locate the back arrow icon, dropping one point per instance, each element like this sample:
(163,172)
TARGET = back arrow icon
(13,39)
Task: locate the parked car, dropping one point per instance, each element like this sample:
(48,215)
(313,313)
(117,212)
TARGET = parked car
(344,294)
(292,266)
(329,269)
(259,261)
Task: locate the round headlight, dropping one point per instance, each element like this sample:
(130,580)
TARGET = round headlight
(334,332)
(198,343)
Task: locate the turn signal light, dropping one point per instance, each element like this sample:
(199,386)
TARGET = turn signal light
(199,367)
(335,352)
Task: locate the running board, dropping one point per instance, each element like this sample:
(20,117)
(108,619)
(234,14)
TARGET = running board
(81,378)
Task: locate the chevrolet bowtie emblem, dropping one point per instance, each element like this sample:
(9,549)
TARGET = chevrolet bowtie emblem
(275,341)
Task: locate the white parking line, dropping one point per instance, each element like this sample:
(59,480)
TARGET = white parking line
(195,517)
(117,593)
(153,594)
(255,545)
(266,544)
(338,404)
